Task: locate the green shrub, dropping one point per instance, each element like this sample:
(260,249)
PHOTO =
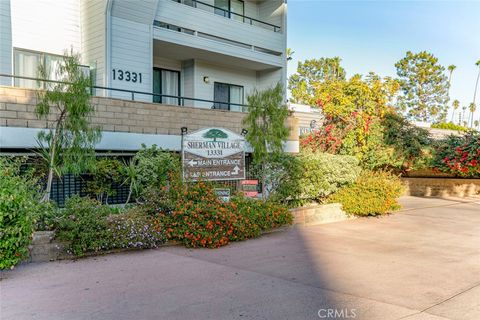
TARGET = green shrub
(373,193)
(106,172)
(282,172)
(153,167)
(459,155)
(46,216)
(323,174)
(449,126)
(19,196)
(84,225)
(133,229)
(411,145)
(265,214)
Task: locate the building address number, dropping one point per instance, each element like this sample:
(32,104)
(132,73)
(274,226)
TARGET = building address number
(122,75)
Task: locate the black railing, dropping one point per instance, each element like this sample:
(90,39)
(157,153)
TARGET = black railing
(156,97)
(229,14)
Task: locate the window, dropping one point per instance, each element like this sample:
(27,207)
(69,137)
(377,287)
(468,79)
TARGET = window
(166,82)
(234,9)
(27,63)
(222,7)
(237,7)
(225,95)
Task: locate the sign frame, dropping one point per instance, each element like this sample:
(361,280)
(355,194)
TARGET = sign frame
(234,167)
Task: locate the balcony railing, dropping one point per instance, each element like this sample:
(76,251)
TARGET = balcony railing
(156,97)
(229,14)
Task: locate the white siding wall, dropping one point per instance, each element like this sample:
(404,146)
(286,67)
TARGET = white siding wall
(188,78)
(141,11)
(269,78)
(92,17)
(218,73)
(5,41)
(46,25)
(271,11)
(164,63)
(212,24)
(131,50)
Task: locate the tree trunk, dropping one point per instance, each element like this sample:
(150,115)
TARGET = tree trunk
(476,87)
(53,153)
(129,193)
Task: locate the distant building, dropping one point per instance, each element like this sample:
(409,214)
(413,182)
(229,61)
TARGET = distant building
(309,118)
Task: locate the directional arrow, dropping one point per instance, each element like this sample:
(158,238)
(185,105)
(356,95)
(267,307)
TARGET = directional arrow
(192,163)
(236,169)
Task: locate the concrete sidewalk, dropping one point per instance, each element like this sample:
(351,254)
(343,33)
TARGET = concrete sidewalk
(421,263)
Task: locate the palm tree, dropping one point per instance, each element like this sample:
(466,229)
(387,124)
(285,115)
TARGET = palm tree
(450,69)
(456,105)
(476,83)
(289,53)
(476,123)
(472,107)
(462,119)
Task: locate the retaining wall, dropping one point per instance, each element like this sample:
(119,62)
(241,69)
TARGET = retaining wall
(441,187)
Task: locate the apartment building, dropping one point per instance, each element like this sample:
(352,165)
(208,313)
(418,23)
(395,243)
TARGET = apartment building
(158,65)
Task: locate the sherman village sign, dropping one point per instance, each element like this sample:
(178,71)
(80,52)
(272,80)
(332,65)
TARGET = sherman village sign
(213,154)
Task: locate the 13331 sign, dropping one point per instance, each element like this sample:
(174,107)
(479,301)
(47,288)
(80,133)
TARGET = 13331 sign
(129,76)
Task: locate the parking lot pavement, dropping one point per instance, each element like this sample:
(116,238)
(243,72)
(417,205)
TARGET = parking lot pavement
(420,263)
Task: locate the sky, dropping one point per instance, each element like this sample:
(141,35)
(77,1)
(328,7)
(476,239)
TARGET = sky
(374,35)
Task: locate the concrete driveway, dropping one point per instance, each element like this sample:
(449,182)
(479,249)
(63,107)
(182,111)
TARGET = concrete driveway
(421,263)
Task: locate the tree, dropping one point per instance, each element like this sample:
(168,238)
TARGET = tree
(265,122)
(215,134)
(451,68)
(310,74)
(455,105)
(476,83)
(353,112)
(289,54)
(472,107)
(424,85)
(67,144)
(130,177)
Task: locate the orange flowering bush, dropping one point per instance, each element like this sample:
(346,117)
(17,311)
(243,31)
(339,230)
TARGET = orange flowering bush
(193,214)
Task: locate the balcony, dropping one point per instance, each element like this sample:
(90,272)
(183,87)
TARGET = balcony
(220,31)
(226,13)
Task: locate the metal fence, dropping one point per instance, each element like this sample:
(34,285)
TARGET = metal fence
(70,185)
(133,94)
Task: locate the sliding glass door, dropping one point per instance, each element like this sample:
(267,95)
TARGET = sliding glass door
(166,82)
(237,8)
(234,9)
(226,94)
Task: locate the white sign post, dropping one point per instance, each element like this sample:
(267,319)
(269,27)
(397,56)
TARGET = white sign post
(213,154)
